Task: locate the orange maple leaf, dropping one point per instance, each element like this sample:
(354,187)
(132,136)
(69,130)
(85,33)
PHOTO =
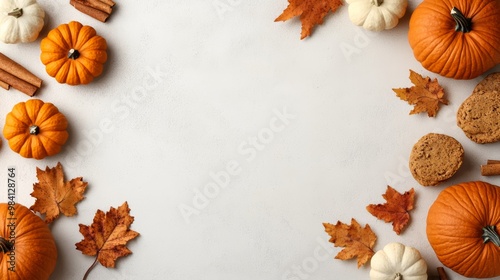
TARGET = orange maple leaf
(396,208)
(311,12)
(54,195)
(107,236)
(357,241)
(426,94)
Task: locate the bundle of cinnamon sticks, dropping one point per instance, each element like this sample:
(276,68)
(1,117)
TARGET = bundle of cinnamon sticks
(98,9)
(491,168)
(14,75)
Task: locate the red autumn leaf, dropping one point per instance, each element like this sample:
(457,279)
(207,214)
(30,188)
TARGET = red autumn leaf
(358,242)
(54,195)
(425,95)
(107,236)
(396,209)
(311,12)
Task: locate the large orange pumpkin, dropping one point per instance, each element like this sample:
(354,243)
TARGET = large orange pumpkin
(73,53)
(33,254)
(463,228)
(35,129)
(456,38)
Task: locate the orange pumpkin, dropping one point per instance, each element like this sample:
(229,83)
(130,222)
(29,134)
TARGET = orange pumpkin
(35,129)
(456,38)
(463,228)
(73,53)
(33,254)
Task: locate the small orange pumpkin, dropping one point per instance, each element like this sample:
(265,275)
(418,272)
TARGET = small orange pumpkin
(463,228)
(34,254)
(456,38)
(73,53)
(35,129)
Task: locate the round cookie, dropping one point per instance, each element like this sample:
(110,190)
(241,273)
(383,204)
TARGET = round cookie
(479,116)
(491,82)
(435,158)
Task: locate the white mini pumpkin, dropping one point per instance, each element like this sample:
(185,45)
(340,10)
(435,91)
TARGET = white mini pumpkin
(20,21)
(377,15)
(398,262)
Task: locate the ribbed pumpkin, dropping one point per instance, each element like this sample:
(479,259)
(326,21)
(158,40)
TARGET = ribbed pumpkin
(73,53)
(463,228)
(35,254)
(456,38)
(35,129)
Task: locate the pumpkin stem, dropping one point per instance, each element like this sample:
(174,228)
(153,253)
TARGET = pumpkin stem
(34,130)
(463,24)
(17,12)
(489,234)
(73,54)
(5,245)
(398,276)
(377,2)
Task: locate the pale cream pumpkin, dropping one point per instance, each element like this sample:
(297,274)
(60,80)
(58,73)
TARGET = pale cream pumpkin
(376,15)
(20,21)
(398,262)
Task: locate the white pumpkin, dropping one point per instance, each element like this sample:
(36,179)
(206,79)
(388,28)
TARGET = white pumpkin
(398,262)
(20,21)
(377,15)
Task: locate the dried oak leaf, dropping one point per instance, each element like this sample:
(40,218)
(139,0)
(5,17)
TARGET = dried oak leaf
(311,12)
(107,236)
(396,209)
(54,195)
(425,95)
(357,241)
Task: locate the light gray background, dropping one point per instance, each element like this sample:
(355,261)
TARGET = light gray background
(188,88)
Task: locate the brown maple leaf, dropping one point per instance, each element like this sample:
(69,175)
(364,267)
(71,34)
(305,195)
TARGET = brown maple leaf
(107,236)
(425,95)
(396,208)
(357,241)
(311,12)
(54,195)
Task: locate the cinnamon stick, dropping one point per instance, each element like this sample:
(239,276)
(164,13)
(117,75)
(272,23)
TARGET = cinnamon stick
(492,161)
(99,5)
(491,169)
(12,67)
(110,3)
(4,85)
(17,83)
(442,274)
(83,7)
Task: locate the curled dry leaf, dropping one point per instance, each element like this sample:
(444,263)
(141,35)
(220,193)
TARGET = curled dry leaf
(54,195)
(425,95)
(357,241)
(396,208)
(107,236)
(311,12)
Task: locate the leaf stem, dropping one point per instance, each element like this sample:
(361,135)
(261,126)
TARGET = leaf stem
(90,269)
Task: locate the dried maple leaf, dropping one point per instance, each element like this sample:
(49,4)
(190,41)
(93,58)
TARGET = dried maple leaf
(107,236)
(426,94)
(54,195)
(357,241)
(396,208)
(311,12)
